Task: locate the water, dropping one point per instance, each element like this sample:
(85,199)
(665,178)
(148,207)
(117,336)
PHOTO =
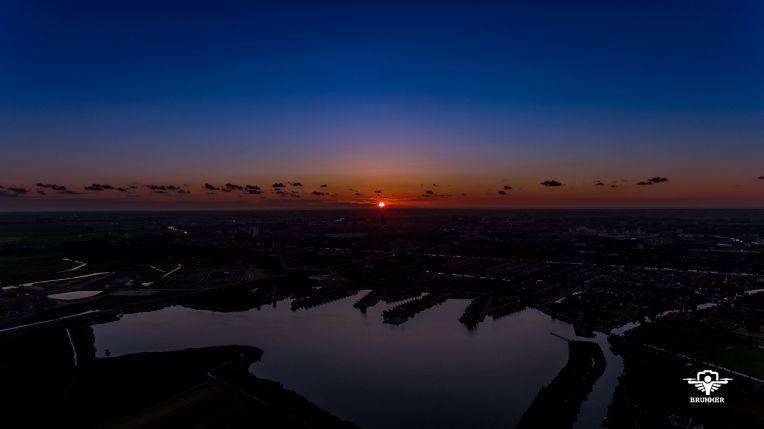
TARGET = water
(429,372)
(71,296)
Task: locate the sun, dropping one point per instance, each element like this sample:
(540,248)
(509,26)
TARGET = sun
(381,204)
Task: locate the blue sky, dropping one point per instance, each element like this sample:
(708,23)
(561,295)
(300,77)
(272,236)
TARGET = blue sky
(476,93)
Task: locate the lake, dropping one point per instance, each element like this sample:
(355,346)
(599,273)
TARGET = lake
(428,372)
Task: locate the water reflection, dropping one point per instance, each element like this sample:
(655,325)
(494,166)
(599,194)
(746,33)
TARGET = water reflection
(429,372)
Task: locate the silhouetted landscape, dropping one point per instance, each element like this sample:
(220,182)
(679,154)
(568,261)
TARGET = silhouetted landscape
(460,214)
(125,319)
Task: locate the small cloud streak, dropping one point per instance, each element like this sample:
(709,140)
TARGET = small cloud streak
(97,187)
(652,181)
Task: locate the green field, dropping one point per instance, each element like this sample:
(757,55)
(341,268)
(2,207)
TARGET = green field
(34,266)
(747,359)
(681,339)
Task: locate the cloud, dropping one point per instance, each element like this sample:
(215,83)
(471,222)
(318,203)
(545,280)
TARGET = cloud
(653,180)
(319,194)
(252,189)
(163,187)
(98,187)
(228,187)
(761,177)
(283,193)
(429,192)
(210,187)
(121,189)
(278,185)
(51,186)
(551,183)
(326,186)
(507,188)
(17,190)
(357,194)
(502,192)
(13,191)
(599,183)
(378,191)
(295,184)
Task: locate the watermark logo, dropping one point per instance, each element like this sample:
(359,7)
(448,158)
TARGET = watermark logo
(707,381)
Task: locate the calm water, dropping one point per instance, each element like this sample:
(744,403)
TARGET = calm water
(429,372)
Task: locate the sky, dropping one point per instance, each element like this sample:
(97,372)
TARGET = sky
(182,104)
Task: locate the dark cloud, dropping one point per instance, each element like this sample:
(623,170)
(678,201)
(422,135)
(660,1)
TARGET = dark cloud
(319,194)
(163,187)
(613,186)
(502,192)
(434,185)
(599,183)
(551,183)
(17,190)
(228,187)
(324,185)
(653,180)
(283,193)
(429,192)
(210,187)
(98,187)
(278,185)
(121,189)
(507,188)
(52,186)
(183,191)
(761,177)
(378,191)
(296,184)
(357,194)
(13,191)
(252,189)
(158,191)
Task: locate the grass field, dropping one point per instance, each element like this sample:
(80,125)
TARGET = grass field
(747,359)
(34,266)
(681,339)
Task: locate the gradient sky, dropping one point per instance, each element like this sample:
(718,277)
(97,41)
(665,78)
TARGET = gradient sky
(391,96)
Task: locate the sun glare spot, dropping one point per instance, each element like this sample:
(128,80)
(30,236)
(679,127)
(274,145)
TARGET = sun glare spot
(381,204)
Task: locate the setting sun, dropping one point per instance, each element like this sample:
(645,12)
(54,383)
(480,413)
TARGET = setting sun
(381,204)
